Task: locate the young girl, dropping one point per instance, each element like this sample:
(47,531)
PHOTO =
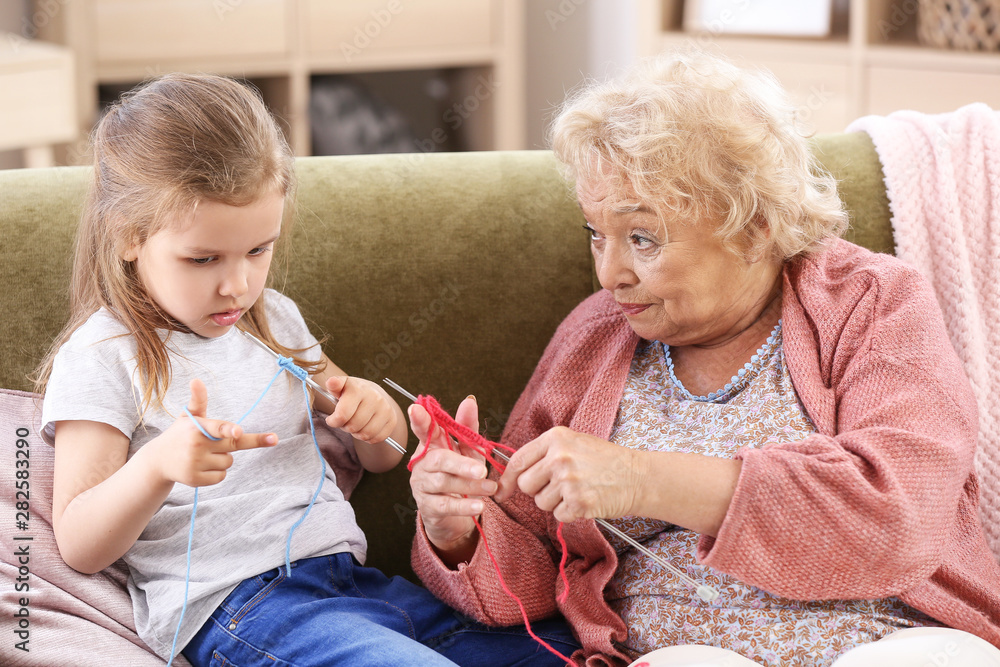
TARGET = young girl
(191,180)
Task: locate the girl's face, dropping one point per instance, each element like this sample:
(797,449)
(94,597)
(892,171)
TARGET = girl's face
(674,282)
(207,270)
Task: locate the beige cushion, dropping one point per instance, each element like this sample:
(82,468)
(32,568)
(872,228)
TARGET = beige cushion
(73,619)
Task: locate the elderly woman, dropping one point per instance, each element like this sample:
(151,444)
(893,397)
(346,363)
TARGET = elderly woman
(775,410)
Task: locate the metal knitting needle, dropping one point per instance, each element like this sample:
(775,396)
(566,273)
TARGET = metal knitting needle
(315,386)
(704,591)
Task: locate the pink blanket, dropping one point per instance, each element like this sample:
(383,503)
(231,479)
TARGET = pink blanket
(942,175)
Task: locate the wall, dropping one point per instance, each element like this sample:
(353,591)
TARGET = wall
(13,14)
(567,42)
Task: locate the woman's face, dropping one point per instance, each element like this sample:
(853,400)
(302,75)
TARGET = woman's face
(674,281)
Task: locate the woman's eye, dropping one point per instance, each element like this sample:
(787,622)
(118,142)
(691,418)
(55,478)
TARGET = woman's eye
(642,242)
(594,236)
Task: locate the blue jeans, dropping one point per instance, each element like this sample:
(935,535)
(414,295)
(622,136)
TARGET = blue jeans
(332,611)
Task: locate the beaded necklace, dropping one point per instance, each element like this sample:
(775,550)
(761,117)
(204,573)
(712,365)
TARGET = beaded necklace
(736,383)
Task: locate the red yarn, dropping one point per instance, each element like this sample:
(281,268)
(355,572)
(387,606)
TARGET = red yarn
(470,438)
(462,433)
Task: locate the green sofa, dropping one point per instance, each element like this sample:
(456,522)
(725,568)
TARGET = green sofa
(447,273)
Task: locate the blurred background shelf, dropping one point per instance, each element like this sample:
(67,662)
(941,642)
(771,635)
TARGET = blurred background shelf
(286,47)
(36,98)
(871,61)
(455,70)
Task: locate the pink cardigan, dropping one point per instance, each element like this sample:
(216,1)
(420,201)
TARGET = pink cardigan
(881,501)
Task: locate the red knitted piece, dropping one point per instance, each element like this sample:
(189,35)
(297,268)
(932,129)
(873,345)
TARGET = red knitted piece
(465,435)
(462,433)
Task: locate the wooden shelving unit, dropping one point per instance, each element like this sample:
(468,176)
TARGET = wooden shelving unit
(36,98)
(478,45)
(871,63)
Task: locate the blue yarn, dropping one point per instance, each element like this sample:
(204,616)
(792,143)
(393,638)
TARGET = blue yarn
(285,364)
(187,575)
(289,365)
(322,477)
(201,428)
(257,402)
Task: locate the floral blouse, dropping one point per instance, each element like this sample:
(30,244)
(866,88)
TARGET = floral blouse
(758,406)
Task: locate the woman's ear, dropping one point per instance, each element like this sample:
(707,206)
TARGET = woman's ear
(759,246)
(762,224)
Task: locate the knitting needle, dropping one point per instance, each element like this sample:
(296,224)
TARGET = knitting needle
(316,387)
(704,591)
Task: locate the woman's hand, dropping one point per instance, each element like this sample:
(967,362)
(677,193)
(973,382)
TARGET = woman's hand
(575,476)
(442,479)
(183,454)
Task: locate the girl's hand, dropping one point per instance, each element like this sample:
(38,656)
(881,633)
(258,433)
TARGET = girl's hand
(575,476)
(183,454)
(441,479)
(363,409)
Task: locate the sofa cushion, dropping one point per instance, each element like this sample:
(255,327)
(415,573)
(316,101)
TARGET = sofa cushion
(65,615)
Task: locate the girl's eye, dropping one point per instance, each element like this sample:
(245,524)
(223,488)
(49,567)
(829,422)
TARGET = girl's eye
(259,251)
(200,261)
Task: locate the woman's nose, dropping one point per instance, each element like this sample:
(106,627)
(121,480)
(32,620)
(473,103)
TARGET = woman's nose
(614,267)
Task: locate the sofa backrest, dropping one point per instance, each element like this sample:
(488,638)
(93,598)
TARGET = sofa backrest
(447,273)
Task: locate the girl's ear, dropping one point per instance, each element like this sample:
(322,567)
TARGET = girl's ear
(130,252)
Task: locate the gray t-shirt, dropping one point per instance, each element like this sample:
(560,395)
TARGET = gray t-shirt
(242,523)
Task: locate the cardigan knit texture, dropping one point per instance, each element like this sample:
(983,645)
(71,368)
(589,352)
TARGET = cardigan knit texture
(881,501)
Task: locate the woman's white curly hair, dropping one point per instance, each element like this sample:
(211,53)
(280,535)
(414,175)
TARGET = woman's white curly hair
(700,139)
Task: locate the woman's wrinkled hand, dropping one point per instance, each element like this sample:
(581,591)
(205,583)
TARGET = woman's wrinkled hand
(448,486)
(575,475)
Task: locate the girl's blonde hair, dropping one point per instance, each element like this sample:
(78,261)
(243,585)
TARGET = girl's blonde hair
(703,140)
(160,150)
